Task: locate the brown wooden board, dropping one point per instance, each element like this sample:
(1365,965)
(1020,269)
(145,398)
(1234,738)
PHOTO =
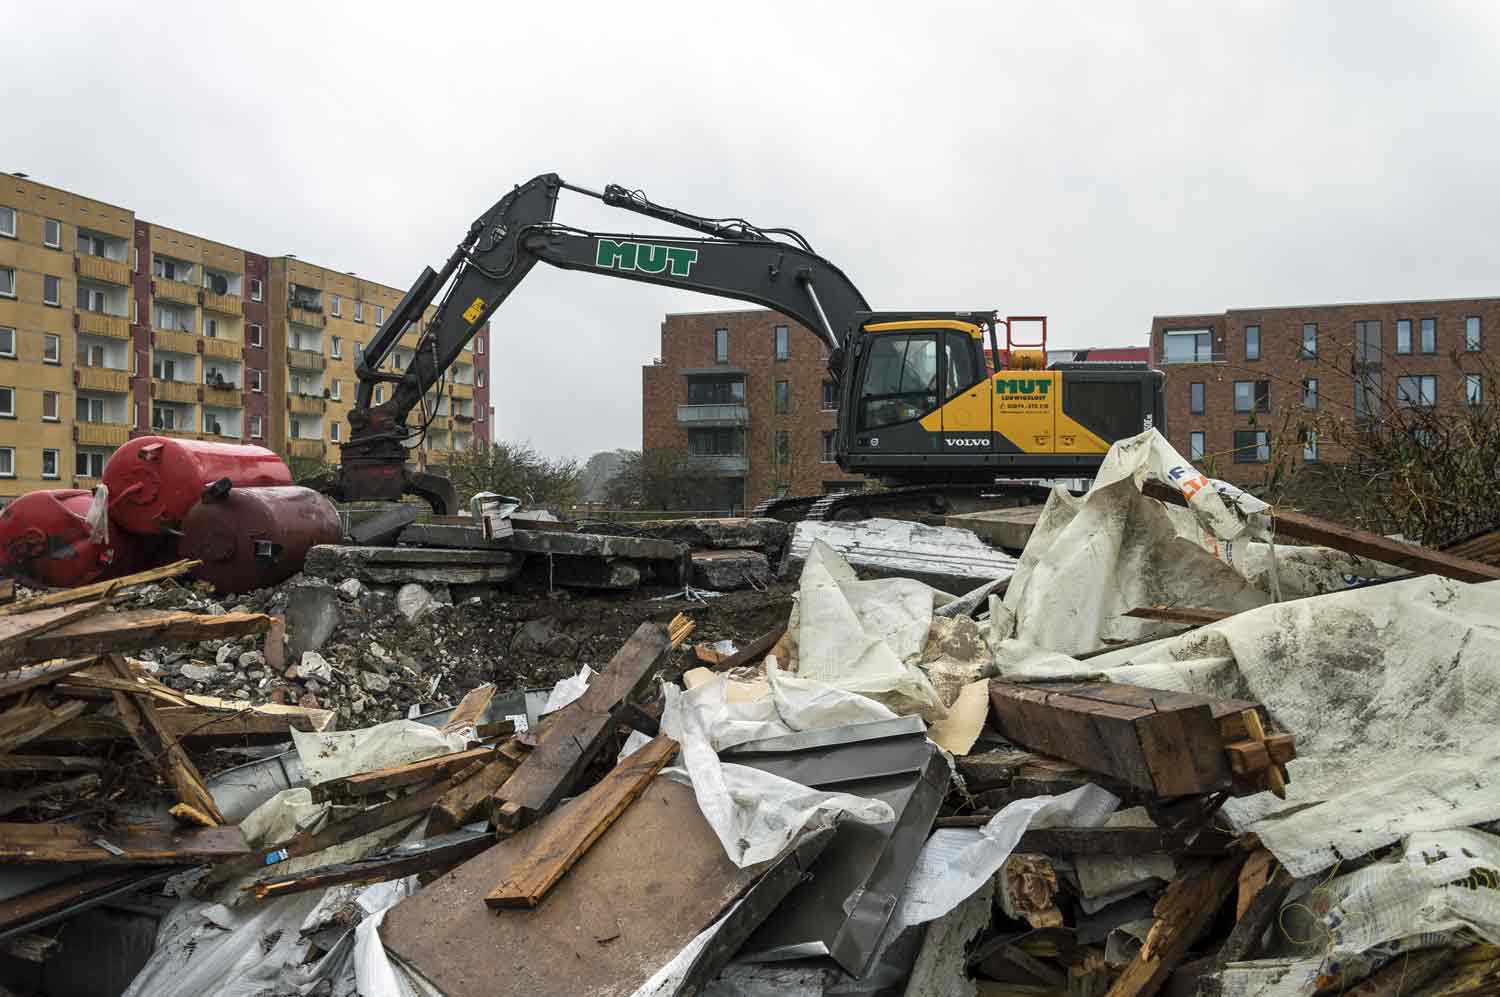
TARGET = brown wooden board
(753,652)
(195,725)
(1174,750)
(46,673)
(1177,614)
(18,631)
(469,800)
(397,776)
(656,879)
(34,722)
(1190,904)
(101,589)
(135,629)
(139,843)
(562,837)
(160,746)
(56,897)
(375,869)
(471,708)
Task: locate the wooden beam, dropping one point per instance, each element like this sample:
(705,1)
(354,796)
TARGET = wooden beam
(560,841)
(195,725)
(1177,614)
(12,800)
(134,844)
(1184,912)
(18,630)
(160,746)
(33,722)
(1137,642)
(381,780)
(46,673)
(1290,525)
(470,710)
(753,652)
(1168,749)
(135,629)
(377,868)
(49,763)
(101,590)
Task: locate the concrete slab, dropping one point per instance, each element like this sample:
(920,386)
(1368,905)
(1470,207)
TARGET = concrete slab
(730,570)
(952,560)
(766,535)
(555,542)
(399,565)
(1008,528)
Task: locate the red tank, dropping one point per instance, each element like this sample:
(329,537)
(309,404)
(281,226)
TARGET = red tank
(253,537)
(44,542)
(153,481)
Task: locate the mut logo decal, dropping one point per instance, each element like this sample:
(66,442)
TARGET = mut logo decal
(1022,386)
(973,441)
(645,257)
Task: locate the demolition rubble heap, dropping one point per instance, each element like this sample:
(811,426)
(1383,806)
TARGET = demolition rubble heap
(1182,744)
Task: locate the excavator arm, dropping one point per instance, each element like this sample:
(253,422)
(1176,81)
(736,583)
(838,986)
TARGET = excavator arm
(774,268)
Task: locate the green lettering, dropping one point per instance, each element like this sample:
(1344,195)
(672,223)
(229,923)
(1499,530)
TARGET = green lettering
(1044,385)
(650,259)
(611,253)
(682,261)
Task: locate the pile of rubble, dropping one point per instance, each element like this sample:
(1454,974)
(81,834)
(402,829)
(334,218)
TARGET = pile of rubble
(1163,752)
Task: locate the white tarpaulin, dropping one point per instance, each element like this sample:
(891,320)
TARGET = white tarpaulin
(328,756)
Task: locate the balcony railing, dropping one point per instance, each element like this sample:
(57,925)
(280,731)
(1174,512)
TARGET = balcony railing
(176,342)
(225,397)
(306,448)
(719,465)
(462,390)
(224,304)
(100,324)
(103,270)
(175,391)
(175,290)
(306,404)
(305,360)
(306,316)
(225,349)
(101,434)
(1192,358)
(713,415)
(88,484)
(102,379)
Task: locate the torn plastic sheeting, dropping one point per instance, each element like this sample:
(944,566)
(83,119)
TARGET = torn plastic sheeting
(283,815)
(328,756)
(857,635)
(569,689)
(1120,875)
(956,862)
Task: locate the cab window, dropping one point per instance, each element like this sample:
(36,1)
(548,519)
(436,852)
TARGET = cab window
(958,361)
(901,379)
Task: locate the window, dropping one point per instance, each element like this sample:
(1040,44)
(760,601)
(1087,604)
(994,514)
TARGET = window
(359,350)
(257,379)
(1195,398)
(828,447)
(1190,346)
(333,431)
(211,328)
(783,447)
(1473,389)
(254,288)
(359,311)
(1428,341)
(479,346)
(479,381)
(379,394)
(1309,392)
(88,464)
(716,442)
(256,335)
(398,361)
(7,222)
(715,391)
(783,343)
(1252,342)
(336,392)
(1403,335)
(1252,396)
(783,397)
(8,402)
(49,406)
(721,346)
(51,290)
(379,315)
(1309,342)
(88,409)
(7,341)
(7,282)
(1251,446)
(1196,446)
(1416,391)
(90,300)
(49,463)
(1309,446)
(255,427)
(830,396)
(52,239)
(7,462)
(336,307)
(1472,334)
(900,380)
(51,348)
(163,368)
(135,312)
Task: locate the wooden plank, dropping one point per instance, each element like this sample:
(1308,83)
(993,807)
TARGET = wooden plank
(135,844)
(1184,912)
(18,630)
(381,780)
(1151,699)
(753,652)
(376,868)
(470,799)
(54,897)
(1255,917)
(195,725)
(24,724)
(134,629)
(577,732)
(1177,614)
(470,709)
(559,841)
(100,590)
(160,745)
(32,676)
(49,763)
(12,800)
(1290,525)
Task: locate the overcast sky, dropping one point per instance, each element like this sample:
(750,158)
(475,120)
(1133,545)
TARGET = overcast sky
(1098,163)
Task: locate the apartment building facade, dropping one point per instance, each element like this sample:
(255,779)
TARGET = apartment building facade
(746,398)
(112,326)
(1243,382)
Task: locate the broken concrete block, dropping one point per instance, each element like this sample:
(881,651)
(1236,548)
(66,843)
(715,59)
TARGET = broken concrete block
(314,666)
(558,543)
(948,559)
(766,535)
(728,570)
(374,681)
(399,565)
(312,614)
(1008,528)
(350,589)
(196,673)
(413,602)
(543,636)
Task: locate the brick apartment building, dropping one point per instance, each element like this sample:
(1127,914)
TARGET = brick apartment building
(1241,381)
(747,397)
(112,326)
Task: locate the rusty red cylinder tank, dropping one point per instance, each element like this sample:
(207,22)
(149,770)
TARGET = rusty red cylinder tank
(253,537)
(154,481)
(44,542)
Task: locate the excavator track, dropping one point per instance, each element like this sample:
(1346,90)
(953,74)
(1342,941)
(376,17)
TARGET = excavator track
(917,501)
